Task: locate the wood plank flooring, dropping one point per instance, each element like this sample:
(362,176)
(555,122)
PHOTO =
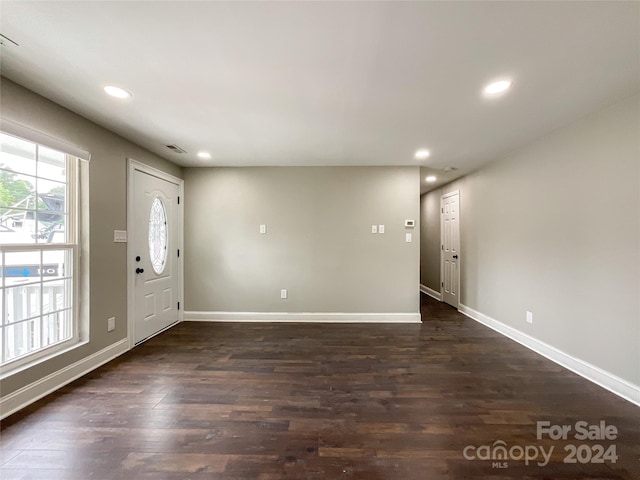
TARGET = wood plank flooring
(318,401)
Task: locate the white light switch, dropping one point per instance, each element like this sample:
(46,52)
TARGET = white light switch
(111,324)
(374,228)
(380,228)
(283,293)
(407,237)
(263,229)
(120,236)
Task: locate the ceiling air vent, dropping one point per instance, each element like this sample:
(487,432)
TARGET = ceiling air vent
(175,149)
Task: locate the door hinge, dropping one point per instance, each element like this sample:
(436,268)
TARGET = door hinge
(442,284)
(178,252)
(178,200)
(441,210)
(442,247)
(178,305)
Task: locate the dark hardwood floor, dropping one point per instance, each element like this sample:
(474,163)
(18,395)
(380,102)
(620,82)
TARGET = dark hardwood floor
(321,401)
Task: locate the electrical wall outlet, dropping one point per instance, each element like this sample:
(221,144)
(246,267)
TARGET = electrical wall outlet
(111,324)
(283,293)
(374,228)
(263,229)
(529,317)
(380,228)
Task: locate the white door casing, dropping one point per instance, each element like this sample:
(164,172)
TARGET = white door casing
(450,248)
(154,263)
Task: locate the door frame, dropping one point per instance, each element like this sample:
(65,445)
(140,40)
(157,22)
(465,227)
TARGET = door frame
(442,197)
(132,167)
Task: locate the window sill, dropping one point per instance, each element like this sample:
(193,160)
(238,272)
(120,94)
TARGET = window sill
(9,371)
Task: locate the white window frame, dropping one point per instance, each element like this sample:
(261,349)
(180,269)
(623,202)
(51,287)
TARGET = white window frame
(77,215)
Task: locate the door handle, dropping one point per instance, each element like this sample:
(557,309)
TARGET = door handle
(455,256)
(139,270)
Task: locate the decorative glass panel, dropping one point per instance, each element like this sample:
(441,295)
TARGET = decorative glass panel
(158,235)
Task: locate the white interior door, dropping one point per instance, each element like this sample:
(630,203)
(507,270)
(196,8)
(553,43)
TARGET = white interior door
(450,258)
(155,252)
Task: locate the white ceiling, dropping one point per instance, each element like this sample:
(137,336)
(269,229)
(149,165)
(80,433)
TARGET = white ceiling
(326,83)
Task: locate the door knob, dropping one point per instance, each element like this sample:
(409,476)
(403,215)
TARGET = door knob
(138,258)
(139,270)
(455,256)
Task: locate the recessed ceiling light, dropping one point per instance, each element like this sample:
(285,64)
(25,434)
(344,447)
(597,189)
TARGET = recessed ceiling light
(117,92)
(498,87)
(431,179)
(205,155)
(422,154)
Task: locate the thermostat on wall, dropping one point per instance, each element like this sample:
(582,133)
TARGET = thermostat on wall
(409,223)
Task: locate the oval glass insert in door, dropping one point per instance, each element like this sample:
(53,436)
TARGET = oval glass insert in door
(158,235)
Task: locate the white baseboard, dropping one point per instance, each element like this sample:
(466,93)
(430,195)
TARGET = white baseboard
(303,317)
(431,292)
(28,394)
(600,377)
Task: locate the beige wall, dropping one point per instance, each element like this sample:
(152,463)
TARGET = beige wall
(318,244)
(107,189)
(555,229)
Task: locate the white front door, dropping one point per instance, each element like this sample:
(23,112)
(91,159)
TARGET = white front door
(154,249)
(450,258)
